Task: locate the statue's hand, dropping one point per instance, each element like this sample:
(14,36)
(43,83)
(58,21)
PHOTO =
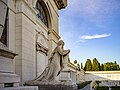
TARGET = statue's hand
(68,50)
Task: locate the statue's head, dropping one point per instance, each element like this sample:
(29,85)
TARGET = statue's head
(61,42)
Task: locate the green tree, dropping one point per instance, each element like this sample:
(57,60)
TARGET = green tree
(75,61)
(108,66)
(102,67)
(115,66)
(88,65)
(81,66)
(78,67)
(95,65)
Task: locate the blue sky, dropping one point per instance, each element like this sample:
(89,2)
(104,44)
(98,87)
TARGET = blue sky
(91,29)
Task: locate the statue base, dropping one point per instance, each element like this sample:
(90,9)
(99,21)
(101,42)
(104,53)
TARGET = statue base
(57,87)
(65,83)
(21,88)
(7,76)
(60,86)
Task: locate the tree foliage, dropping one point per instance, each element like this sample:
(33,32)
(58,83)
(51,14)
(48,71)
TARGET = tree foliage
(75,61)
(110,66)
(88,65)
(78,67)
(102,67)
(81,66)
(95,65)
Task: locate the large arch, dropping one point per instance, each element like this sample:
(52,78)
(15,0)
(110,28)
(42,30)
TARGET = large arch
(43,13)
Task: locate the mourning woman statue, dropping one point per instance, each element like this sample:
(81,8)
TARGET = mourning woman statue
(54,66)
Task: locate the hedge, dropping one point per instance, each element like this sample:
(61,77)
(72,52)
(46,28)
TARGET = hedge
(115,88)
(101,88)
(83,84)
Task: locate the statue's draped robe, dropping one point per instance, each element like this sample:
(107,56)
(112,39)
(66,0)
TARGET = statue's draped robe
(54,66)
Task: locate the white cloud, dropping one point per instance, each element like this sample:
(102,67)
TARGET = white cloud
(95,36)
(80,41)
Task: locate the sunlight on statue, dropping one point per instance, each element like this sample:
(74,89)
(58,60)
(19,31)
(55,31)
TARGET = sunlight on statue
(55,65)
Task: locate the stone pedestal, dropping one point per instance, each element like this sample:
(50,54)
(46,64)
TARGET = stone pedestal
(66,79)
(57,87)
(66,76)
(53,86)
(21,88)
(7,76)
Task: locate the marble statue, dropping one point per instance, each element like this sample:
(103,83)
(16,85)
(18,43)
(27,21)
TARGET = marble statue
(54,67)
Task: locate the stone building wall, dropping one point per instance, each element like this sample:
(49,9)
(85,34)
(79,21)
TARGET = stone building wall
(30,38)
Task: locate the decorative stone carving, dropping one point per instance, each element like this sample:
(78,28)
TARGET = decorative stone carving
(41,48)
(34,3)
(49,79)
(41,43)
(54,67)
(61,3)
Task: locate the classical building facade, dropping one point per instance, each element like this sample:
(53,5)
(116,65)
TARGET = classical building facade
(32,33)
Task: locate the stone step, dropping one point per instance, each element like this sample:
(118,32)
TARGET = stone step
(21,88)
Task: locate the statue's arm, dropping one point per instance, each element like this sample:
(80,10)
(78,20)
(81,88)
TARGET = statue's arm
(63,52)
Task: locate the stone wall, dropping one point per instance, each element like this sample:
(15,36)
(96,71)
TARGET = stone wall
(102,75)
(23,38)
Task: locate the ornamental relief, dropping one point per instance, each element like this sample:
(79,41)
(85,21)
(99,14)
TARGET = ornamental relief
(41,48)
(40,38)
(41,43)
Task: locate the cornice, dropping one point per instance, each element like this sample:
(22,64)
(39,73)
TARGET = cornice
(72,65)
(54,33)
(61,4)
(7,53)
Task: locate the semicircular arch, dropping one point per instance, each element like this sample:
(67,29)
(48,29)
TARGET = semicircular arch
(43,13)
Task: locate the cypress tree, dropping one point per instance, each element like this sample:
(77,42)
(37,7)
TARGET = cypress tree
(95,65)
(88,65)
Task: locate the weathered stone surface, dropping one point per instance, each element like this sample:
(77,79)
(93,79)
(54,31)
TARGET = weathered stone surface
(6,62)
(21,88)
(3,9)
(7,75)
(57,87)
